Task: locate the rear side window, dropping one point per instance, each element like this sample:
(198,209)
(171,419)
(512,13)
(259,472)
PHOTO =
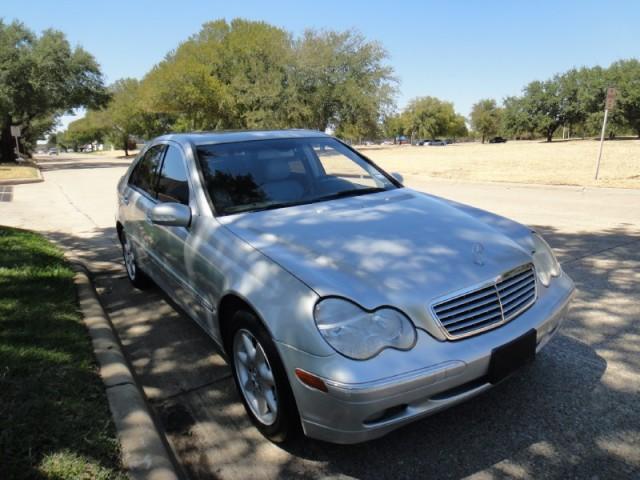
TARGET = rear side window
(145,172)
(172,184)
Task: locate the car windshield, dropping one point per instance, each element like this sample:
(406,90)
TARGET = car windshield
(267,174)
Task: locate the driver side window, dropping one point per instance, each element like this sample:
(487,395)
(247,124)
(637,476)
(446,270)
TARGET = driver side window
(173,185)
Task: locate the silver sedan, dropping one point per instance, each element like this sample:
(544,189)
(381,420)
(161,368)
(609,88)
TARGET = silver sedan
(346,304)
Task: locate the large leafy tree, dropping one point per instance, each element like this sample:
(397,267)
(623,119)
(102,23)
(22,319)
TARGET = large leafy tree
(341,80)
(123,117)
(625,75)
(246,74)
(486,117)
(88,129)
(229,75)
(515,118)
(430,117)
(41,78)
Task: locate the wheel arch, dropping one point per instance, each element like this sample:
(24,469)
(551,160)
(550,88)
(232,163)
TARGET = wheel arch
(230,303)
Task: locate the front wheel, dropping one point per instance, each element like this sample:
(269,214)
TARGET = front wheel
(136,276)
(261,379)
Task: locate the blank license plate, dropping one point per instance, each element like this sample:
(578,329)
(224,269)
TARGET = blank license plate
(511,356)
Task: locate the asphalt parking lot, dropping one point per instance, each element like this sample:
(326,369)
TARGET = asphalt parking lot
(572,414)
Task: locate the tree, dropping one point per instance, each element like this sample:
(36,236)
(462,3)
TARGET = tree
(88,129)
(341,80)
(42,77)
(246,74)
(123,116)
(226,76)
(485,118)
(625,75)
(429,117)
(393,126)
(515,119)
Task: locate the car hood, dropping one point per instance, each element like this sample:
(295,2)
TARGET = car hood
(401,247)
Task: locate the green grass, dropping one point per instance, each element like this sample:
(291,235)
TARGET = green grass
(54,418)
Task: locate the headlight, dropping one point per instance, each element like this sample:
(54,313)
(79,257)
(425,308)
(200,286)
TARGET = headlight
(358,334)
(544,260)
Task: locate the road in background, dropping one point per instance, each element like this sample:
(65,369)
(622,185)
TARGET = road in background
(571,414)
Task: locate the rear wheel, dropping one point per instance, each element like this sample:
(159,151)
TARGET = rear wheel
(137,277)
(261,379)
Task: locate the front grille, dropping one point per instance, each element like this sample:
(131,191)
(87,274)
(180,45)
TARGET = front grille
(489,305)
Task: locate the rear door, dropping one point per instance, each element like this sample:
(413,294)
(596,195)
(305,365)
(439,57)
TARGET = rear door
(138,198)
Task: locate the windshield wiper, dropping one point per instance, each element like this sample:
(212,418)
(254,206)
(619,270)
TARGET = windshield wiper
(270,205)
(259,206)
(350,193)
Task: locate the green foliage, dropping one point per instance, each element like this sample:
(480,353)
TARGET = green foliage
(575,99)
(85,130)
(625,75)
(341,80)
(393,125)
(486,118)
(429,117)
(246,74)
(515,118)
(40,78)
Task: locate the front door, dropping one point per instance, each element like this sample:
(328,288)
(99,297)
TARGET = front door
(173,243)
(138,198)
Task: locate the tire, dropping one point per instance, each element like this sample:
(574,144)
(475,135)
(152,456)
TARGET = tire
(255,379)
(137,277)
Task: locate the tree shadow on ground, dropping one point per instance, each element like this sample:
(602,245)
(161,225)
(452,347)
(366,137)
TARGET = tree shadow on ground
(89,164)
(570,414)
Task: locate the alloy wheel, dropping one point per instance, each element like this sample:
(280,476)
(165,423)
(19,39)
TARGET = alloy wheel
(255,377)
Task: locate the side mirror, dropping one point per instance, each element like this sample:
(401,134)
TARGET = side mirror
(170,215)
(398,177)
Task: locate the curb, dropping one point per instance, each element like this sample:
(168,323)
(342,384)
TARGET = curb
(144,452)
(23,181)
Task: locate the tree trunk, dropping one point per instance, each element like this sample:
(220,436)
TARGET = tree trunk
(483,138)
(126,147)
(549,135)
(7,153)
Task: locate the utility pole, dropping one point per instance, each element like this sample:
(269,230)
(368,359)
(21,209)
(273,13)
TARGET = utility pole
(609,105)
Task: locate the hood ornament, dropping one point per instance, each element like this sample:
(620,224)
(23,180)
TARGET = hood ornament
(478,253)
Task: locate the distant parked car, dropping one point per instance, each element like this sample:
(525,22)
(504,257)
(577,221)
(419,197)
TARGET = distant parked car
(436,142)
(52,151)
(498,140)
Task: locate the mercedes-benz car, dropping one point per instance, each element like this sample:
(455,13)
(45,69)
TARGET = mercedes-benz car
(347,304)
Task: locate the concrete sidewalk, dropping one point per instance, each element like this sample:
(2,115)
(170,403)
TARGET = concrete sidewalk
(572,414)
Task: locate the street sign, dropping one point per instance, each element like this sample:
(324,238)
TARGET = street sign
(611,98)
(15,130)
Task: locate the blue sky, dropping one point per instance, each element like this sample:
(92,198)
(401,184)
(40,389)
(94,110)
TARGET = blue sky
(460,51)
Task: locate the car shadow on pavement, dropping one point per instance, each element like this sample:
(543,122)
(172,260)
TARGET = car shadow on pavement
(573,413)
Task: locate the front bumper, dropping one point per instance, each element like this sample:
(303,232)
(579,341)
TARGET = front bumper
(368,399)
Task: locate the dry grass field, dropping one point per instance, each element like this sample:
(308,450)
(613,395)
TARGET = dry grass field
(557,163)
(11,171)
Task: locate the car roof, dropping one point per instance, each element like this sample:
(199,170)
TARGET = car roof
(229,136)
